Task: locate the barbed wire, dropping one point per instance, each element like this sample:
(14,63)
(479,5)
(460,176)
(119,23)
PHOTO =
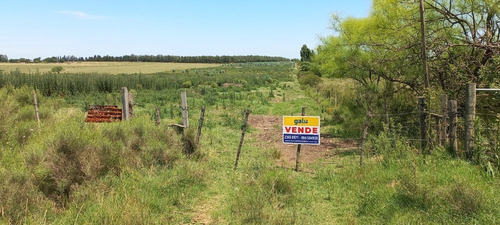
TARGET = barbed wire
(487,114)
(393,114)
(343,138)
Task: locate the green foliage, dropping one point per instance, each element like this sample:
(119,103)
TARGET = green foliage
(57,69)
(389,144)
(74,84)
(310,80)
(440,189)
(187,84)
(189,141)
(305,54)
(385,45)
(135,172)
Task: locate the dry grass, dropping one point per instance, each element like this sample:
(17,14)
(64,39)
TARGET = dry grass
(104,67)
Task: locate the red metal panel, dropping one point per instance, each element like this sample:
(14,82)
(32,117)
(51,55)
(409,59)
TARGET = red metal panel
(103,113)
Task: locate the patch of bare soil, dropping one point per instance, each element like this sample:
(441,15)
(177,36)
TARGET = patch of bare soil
(269,136)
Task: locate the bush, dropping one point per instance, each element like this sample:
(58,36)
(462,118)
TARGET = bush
(310,80)
(187,84)
(189,142)
(57,69)
(74,157)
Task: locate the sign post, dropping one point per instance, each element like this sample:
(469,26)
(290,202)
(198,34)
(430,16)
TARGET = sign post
(301,130)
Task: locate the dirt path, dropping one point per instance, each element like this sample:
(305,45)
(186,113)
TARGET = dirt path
(269,135)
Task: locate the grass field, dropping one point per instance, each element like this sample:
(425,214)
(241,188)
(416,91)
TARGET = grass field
(66,171)
(103,67)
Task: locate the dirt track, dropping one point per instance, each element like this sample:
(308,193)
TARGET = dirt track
(269,135)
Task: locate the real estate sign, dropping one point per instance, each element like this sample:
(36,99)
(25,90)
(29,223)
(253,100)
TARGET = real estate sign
(301,130)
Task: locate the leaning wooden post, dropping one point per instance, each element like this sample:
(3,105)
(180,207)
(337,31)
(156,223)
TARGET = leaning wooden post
(470,111)
(200,124)
(365,135)
(125,104)
(444,120)
(35,103)
(423,123)
(452,114)
(185,119)
(298,146)
(243,130)
(157,116)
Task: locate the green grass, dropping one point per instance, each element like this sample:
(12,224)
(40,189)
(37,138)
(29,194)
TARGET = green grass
(135,172)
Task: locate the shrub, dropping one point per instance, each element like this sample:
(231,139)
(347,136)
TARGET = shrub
(189,144)
(76,155)
(310,80)
(57,69)
(187,84)
(18,198)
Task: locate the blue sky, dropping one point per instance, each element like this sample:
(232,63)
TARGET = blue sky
(83,28)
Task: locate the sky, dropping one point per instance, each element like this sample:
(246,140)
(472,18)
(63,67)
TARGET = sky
(33,28)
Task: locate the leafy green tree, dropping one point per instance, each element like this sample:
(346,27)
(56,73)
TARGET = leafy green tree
(57,69)
(50,60)
(462,37)
(305,54)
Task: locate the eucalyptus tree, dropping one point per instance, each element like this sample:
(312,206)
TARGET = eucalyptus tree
(305,54)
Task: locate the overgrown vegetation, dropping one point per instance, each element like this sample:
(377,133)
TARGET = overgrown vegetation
(67,171)
(382,54)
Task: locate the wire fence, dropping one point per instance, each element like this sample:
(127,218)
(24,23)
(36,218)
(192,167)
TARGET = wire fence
(405,127)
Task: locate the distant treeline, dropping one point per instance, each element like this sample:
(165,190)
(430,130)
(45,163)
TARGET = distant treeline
(150,58)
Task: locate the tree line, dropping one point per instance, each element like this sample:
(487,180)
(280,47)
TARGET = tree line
(149,58)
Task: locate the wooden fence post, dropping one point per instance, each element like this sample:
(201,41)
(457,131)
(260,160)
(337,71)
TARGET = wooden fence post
(299,145)
(200,124)
(157,117)
(243,130)
(470,111)
(125,104)
(452,114)
(365,135)
(444,120)
(423,123)
(437,138)
(35,103)
(130,105)
(185,119)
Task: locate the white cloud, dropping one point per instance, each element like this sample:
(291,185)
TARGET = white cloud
(82,15)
